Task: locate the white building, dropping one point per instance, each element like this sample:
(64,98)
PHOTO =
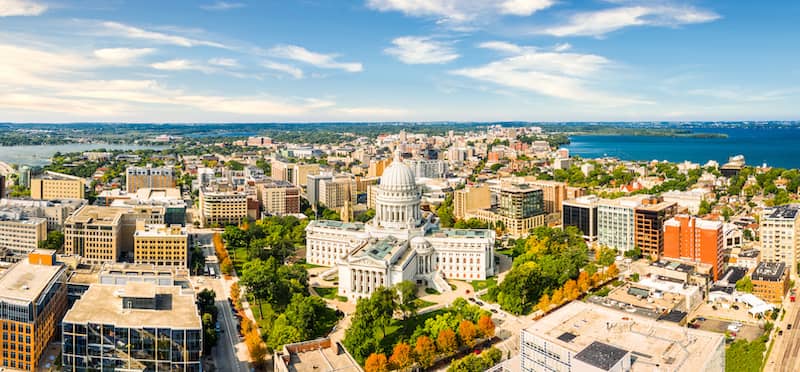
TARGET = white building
(780,235)
(615,223)
(400,243)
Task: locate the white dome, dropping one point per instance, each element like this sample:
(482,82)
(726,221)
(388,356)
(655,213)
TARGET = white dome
(419,241)
(398,176)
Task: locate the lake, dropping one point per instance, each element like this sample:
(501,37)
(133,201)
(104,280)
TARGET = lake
(40,154)
(778,147)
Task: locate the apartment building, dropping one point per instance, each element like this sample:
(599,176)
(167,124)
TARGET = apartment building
(553,193)
(615,223)
(376,167)
(54,211)
(149,177)
(33,299)
(312,188)
(650,217)
(295,173)
(424,168)
(52,185)
(770,281)
(93,233)
(161,245)
(780,235)
(138,326)
(520,208)
(694,239)
(19,233)
(471,198)
(582,214)
(336,192)
(220,206)
(279,197)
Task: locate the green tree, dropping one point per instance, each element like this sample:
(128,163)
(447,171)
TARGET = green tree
(54,241)
(406,298)
(744,285)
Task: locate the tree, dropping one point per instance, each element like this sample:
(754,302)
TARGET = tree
(226,266)
(407,294)
(54,241)
(486,326)
(256,347)
(612,271)
(744,285)
(584,282)
(571,291)
(209,333)
(206,302)
(544,303)
(446,342)
(605,256)
(401,356)
(469,363)
(634,254)
(493,355)
(558,297)
(467,332)
(376,363)
(425,351)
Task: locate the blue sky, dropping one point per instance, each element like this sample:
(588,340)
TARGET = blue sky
(398,60)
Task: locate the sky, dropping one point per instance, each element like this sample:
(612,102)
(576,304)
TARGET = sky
(398,60)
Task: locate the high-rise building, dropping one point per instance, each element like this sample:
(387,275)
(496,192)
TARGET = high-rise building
(428,168)
(520,208)
(695,239)
(94,233)
(161,245)
(780,235)
(615,223)
(312,189)
(336,192)
(136,327)
(221,207)
(279,197)
(24,176)
(301,172)
(376,167)
(581,213)
(54,185)
(471,198)
(148,177)
(281,171)
(20,234)
(650,217)
(33,299)
(554,193)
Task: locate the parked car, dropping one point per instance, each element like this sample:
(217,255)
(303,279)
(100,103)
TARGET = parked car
(789,326)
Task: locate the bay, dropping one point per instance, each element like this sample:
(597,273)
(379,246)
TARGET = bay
(777,147)
(37,155)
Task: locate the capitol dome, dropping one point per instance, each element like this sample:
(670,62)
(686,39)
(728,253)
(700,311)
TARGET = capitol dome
(398,176)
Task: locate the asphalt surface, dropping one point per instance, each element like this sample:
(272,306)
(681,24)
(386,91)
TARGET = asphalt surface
(225,352)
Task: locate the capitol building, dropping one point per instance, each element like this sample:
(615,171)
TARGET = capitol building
(401,243)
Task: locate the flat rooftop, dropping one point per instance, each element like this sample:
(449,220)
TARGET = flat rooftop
(788,211)
(381,248)
(651,343)
(24,281)
(97,215)
(769,271)
(102,304)
(461,233)
(324,359)
(352,226)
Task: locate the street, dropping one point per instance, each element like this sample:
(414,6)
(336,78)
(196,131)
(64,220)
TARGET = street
(230,353)
(784,353)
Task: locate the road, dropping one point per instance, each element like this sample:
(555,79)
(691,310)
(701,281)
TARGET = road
(784,354)
(227,354)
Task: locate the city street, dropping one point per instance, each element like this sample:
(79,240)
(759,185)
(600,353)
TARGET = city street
(784,353)
(230,353)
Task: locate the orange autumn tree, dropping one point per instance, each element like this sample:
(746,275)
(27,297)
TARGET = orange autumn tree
(376,363)
(571,290)
(486,326)
(612,271)
(446,341)
(425,351)
(584,282)
(558,297)
(402,357)
(544,302)
(467,332)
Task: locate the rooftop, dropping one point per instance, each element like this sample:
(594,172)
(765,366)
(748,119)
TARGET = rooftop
(653,343)
(97,215)
(600,355)
(460,233)
(788,211)
(769,271)
(102,304)
(353,226)
(382,248)
(25,281)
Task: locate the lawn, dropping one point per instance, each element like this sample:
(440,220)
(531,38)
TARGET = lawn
(508,252)
(479,285)
(308,266)
(402,330)
(327,292)
(421,304)
(239,257)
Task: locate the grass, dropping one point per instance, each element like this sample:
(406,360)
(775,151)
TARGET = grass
(479,285)
(508,252)
(602,292)
(402,330)
(421,304)
(431,291)
(308,266)
(327,292)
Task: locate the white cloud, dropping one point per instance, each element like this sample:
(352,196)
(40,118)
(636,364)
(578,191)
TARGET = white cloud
(421,50)
(180,65)
(320,60)
(121,56)
(599,23)
(459,12)
(224,62)
(555,74)
(563,47)
(131,32)
(10,8)
(524,7)
(222,5)
(295,72)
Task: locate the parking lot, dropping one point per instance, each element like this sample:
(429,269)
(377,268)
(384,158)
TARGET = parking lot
(749,332)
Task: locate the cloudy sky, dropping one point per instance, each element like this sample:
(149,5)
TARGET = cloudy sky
(406,60)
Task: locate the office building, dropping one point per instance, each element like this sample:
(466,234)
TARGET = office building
(220,206)
(54,211)
(52,185)
(161,245)
(376,167)
(138,326)
(279,197)
(697,240)
(584,337)
(471,198)
(336,192)
(33,299)
(94,233)
(149,177)
(780,235)
(615,223)
(314,182)
(520,208)
(428,168)
(649,218)
(770,281)
(20,234)
(582,214)
(553,194)
(24,178)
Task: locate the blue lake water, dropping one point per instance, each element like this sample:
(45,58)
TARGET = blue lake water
(778,147)
(40,154)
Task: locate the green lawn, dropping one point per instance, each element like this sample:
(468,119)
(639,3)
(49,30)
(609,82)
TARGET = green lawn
(508,252)
(402,330)
(308,266)
(478,285)
(421,304)
(431,291)
(327,292)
